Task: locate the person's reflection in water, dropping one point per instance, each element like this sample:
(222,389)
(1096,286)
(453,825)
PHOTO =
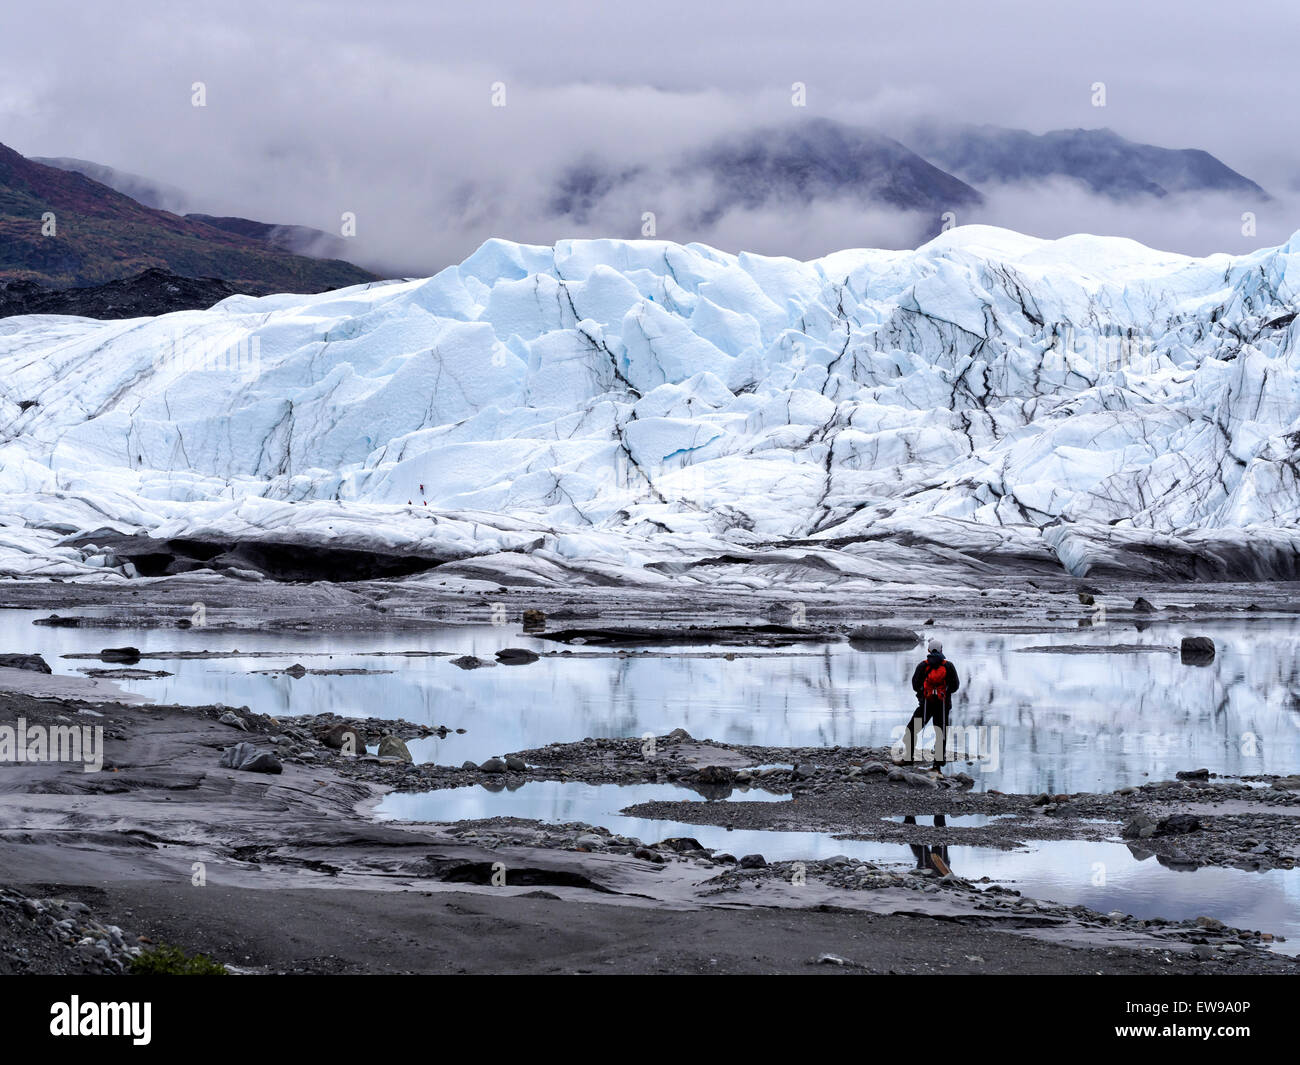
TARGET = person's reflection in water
(925,856)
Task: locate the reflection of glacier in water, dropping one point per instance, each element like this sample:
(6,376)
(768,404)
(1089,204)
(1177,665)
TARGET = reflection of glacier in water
(1102,876)
(1063,722)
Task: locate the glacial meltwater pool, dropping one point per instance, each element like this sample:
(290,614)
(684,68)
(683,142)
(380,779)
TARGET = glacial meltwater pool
(1104,876)
(1029,721)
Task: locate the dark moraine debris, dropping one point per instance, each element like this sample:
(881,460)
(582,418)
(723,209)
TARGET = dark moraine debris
(35,663)
(126,674)
(1142,606)
(1197,650)
(56,622)
(883,638)
(279,560)
(1096,649)
(729,635)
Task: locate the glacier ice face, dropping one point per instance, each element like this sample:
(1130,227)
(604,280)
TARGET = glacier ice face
(630,408)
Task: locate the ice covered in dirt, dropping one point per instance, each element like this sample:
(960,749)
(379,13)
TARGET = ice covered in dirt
(642,410)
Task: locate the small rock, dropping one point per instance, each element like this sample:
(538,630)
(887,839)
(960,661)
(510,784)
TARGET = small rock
(534,620)
(493,765)
(515,764)
(1142,606)
(469,662)
(1212,923)
(233,720)
(753,861)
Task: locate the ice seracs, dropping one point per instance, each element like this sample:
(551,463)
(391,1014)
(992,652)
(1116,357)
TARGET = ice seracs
(635,408)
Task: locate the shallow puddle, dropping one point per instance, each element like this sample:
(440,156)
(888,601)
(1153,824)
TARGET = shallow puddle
(1100,875)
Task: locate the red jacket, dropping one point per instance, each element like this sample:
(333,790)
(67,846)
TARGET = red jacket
(930,662)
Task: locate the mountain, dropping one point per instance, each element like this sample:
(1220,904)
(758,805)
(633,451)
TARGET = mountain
(300,240)
(102,235)
(149,293)
(141,189)
(646,412)
(800,163)
(1099,159)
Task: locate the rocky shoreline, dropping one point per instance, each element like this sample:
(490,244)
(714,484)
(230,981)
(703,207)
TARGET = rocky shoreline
(300,819)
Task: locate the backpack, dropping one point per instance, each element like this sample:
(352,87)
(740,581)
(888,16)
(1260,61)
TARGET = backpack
(935,684)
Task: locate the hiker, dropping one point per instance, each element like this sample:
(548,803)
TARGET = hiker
(934,680)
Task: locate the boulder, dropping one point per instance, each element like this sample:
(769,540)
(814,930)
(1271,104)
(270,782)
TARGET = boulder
(247,757)
(336,736)
(493,765)
(1196,650)
(1142,606)
(233,720)
(394,747)
(716,774)
(1140,827)
(516,656)
(516,764)
(34,663)
(127,655)
(753,861)
(1178,824)
(883,638)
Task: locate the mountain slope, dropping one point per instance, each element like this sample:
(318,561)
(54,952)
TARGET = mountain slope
(102,235)
(644,411)
(801,163)
(139,188)
(1099,159)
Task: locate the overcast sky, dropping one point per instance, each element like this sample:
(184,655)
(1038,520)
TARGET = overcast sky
(384,109)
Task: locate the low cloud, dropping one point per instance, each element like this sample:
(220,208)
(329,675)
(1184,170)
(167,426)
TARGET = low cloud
(313,111)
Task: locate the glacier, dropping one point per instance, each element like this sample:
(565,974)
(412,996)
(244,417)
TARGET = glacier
(643,412)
